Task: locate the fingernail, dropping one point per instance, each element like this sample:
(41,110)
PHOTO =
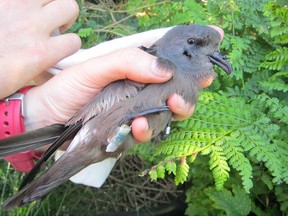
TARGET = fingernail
(161,69)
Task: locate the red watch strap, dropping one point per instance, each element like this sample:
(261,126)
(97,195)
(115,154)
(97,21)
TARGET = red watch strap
(12,123)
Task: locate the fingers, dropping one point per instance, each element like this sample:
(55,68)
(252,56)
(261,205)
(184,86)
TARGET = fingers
(181,110)
(220,30)
(61,46)
(79,84)
(62,14)
(141,39)
(140,130)
(68,10)
(204,83)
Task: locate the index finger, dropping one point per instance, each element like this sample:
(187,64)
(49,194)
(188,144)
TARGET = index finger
(141,39)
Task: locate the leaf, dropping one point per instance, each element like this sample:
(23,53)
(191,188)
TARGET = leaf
(153,174)
(85,32)
(219,166)
(281,194)
(170,166)
(234,152)
(181,172)
(160,172)
(234,204)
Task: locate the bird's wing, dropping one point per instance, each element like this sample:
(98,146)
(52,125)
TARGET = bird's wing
(67,134)
(32,189)
(119,90)
(30,140)
(115,92)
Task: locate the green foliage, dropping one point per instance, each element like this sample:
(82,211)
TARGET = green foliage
(102,21)
(181,171)
(241,131)
(281,192)
(235,204)
(229,140)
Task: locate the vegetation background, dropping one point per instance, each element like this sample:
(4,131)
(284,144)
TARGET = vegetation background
(233,151)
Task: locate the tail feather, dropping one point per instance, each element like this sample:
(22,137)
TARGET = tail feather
(52,178)
(35,189)
(67,134)
(30,140)
(30,193)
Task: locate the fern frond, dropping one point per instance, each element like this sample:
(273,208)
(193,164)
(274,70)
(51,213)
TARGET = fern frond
(182,171)
(229,132)
(239,46)
(276,60)
(237,159)
(281,192)
(219,166)
(237,203)
(263,149)
(275,108)
(278,85)
(171,167)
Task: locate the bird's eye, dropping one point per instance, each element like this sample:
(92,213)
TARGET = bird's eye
(190,41)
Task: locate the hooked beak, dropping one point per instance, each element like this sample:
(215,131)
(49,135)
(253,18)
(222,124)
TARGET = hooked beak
(220,60)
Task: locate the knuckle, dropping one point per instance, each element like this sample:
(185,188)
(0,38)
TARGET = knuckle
(38,52)
(73,7)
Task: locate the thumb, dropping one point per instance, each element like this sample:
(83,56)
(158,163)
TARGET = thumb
(68,91)
(130,63)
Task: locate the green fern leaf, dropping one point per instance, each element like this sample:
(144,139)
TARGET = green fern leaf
(219,166)
(153,174)
(237,160)
(281,194)
(236,204)
(85,32)
(171,167)
(227,130)
(160,172)
(182,172)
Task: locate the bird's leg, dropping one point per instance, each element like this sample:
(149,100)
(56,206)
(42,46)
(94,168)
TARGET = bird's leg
(167,131)
(116,140)
(124,129)
(132,116)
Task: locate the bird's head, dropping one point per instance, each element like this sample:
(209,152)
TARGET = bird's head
(193,49)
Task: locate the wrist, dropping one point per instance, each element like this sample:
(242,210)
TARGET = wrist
(12,113)
(37,115)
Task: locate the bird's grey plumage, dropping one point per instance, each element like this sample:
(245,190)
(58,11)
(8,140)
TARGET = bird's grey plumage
(186,50)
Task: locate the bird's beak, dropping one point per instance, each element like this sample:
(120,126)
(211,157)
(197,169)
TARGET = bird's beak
(220,60)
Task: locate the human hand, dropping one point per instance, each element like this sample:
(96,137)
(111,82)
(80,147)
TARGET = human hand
(26,45)
(67,92)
